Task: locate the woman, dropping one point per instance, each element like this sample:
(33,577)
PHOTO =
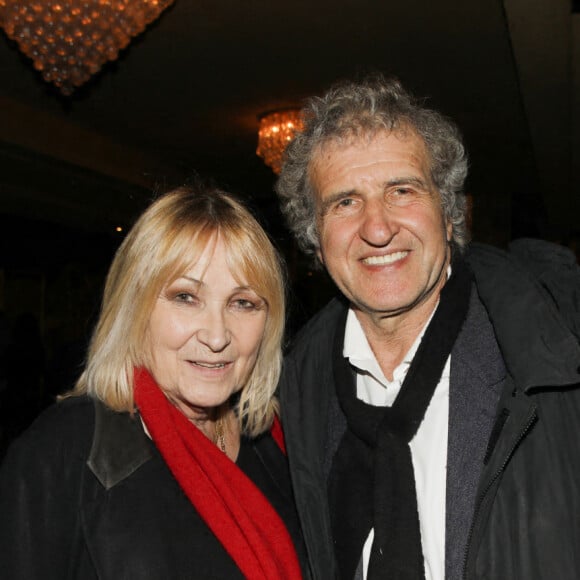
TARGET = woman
(161,463)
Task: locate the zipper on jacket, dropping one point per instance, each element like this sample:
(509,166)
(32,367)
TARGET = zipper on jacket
(529,422)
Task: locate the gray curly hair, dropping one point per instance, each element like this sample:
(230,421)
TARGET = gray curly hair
(364,109)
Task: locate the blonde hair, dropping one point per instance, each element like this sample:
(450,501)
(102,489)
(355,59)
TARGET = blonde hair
(163,244)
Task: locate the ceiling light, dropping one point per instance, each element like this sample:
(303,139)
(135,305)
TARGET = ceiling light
(277,129)
(70,40)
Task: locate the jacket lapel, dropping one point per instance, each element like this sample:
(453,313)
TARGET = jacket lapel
(477,377)
(109,461)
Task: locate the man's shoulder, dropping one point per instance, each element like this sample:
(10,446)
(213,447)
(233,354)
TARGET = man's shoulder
(540,270)
(534,254)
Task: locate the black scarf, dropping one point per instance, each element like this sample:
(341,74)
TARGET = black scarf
(372,482)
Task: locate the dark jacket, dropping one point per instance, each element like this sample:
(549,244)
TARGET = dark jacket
(524,520)
(85,494)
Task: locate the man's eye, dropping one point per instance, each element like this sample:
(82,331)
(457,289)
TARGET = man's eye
(345,202)
(402,195)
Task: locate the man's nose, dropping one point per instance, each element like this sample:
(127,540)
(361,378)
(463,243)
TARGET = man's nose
(378,223)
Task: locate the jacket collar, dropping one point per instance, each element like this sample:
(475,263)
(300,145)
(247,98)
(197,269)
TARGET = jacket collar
(119,447)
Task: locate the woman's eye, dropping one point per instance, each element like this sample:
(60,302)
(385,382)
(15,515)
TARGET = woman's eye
(185,297)
(247,304)
(243,304)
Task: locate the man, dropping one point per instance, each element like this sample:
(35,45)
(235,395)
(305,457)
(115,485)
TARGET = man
(432,412)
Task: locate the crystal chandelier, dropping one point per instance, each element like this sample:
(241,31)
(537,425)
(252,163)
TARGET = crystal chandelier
(70,40)
(277,129)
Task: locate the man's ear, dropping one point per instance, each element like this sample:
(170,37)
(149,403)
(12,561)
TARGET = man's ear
(449,229)
(319,256)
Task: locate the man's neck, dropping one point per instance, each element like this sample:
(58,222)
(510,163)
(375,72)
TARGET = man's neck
(391,337)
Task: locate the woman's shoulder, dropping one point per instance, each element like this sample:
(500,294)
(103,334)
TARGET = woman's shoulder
(68,416)
(63,429)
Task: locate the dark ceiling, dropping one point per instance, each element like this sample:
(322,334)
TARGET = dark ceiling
(185,97)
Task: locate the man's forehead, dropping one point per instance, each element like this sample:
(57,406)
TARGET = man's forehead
(325,153)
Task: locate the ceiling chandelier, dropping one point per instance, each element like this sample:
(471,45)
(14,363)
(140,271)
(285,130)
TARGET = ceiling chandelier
(277,129)
(70,40)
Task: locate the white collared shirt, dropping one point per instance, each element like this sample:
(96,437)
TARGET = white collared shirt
(428,447)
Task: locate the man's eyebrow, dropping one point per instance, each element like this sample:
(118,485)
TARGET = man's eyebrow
(403,180)
(410,180)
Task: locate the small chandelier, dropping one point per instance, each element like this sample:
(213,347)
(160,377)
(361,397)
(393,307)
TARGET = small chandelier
(70,40)
(277,129)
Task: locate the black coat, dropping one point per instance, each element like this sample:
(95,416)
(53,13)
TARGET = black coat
(524,520)
(85,494)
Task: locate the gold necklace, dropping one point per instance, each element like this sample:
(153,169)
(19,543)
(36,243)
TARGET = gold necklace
(220,438)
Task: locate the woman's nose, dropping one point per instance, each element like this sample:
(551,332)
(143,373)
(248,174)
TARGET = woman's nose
(213,331)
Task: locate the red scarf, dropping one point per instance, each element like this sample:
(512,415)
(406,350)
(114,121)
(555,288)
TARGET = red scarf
(235,510)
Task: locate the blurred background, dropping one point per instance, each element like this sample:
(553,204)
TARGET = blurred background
(185,97)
